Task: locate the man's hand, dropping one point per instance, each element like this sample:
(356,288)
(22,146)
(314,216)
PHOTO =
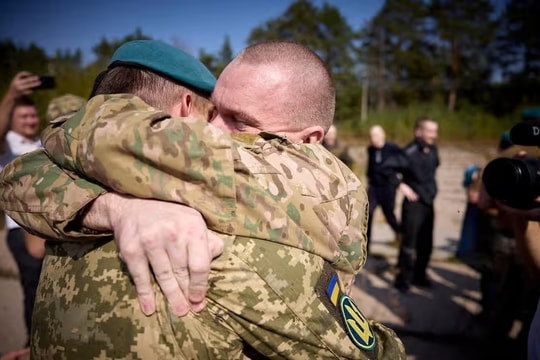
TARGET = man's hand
(521,214)
(23,83)
(171,238)
(408,192)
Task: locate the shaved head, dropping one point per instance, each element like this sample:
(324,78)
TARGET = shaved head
(306,82)
(377,136)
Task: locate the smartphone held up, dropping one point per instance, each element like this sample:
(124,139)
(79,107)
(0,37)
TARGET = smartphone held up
(47,82)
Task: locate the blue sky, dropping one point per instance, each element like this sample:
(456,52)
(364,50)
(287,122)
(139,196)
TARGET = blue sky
(71,24)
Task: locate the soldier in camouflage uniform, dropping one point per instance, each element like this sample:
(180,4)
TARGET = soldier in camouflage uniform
(291,216)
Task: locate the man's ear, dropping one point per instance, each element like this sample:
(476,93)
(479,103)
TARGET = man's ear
(184,107)
(312,135)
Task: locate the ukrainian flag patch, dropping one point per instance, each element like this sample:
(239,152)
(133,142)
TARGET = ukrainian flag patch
(333,291)
(356,325)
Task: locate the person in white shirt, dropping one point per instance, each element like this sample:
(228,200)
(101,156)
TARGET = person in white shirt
(19,127)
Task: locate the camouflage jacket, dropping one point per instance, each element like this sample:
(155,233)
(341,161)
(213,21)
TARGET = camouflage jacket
(255,186)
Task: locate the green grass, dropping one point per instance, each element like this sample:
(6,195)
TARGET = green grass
(468,124)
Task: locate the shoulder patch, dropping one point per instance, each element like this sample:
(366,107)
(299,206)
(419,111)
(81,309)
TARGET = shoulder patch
(356,324)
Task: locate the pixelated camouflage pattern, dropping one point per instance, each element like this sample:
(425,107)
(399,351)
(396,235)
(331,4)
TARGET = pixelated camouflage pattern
(64,105)
(254,299)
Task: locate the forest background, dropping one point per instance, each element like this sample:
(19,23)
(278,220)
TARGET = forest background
(471,67)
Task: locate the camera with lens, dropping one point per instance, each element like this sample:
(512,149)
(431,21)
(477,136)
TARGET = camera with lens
(513,181)
(516,181)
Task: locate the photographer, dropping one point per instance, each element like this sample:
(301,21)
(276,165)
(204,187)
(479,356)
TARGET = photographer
(511,186)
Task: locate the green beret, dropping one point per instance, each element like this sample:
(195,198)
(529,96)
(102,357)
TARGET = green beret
(165,60)
(531,114)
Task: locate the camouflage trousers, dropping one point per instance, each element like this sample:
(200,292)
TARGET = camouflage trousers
(261,293)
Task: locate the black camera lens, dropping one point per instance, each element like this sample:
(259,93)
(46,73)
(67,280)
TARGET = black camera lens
(515,182)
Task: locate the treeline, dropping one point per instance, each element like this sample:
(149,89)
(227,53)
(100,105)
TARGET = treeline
(472,65)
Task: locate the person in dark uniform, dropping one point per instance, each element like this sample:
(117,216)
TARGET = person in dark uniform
(419,189)
(382,178)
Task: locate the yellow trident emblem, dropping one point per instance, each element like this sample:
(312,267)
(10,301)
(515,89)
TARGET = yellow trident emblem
(357,326)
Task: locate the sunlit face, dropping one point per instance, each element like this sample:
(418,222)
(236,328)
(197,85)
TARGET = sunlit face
(428,132)
(25,121)
(251,99)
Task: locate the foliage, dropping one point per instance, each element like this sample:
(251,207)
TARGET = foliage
(65,65)
(399,56)
(216,63)
(518,54)
(469,123)
(464,30)
(105,48)
(413,57)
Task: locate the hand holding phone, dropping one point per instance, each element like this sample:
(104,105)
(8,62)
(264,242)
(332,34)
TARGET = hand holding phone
(47,82)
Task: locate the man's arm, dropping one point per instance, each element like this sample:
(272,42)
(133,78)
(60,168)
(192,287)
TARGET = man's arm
(133,149)
(527,233)
(171,238)
(528,240)
(45,200)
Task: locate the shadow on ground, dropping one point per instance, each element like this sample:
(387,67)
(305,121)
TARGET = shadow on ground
(439,323)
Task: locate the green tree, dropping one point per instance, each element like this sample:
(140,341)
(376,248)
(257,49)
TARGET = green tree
(226,52)
(464,29)
(400,55)
(15,58)
(32,58)
(66,65)
(518,56)
(216,63)
(105,48)
(209,60)
(519,43)
(71,76)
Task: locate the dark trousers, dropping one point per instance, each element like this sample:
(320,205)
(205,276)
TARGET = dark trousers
(385,196)
(417,242)
(29,270)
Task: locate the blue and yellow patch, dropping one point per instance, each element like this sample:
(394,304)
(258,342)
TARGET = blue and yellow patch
(356,325)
